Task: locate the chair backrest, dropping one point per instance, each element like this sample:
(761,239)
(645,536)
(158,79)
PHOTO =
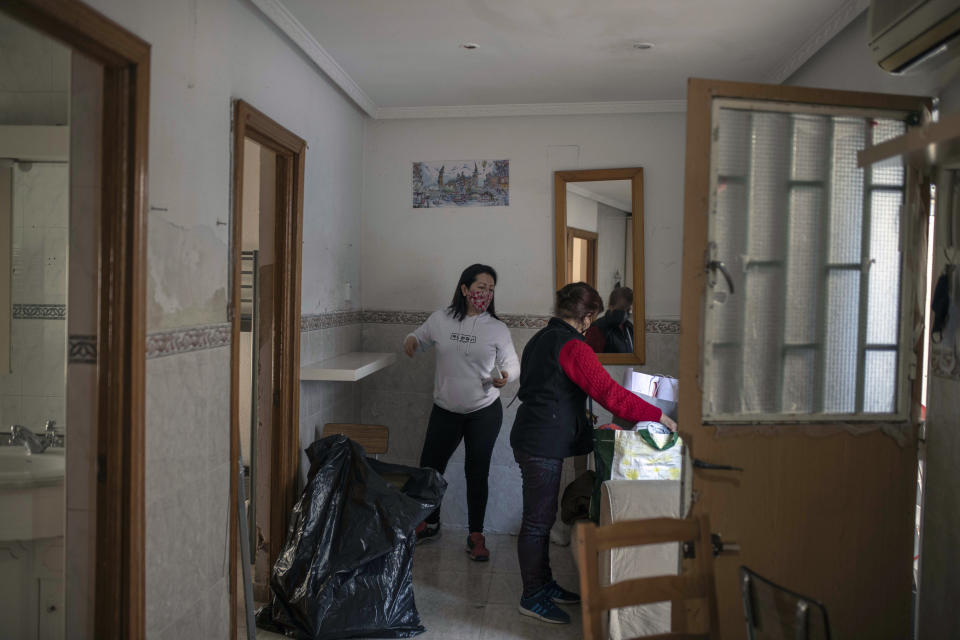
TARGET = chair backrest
(596,599)
(775,613)
(372,437)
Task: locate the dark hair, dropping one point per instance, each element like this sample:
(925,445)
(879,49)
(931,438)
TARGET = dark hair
(577,301)
(621,294)
(458,307)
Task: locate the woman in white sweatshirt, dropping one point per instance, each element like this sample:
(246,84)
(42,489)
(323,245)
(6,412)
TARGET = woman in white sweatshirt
(475,358)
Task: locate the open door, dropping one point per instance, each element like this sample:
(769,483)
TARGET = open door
(798,355)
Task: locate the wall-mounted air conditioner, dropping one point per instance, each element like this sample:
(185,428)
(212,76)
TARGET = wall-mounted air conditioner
(912,35)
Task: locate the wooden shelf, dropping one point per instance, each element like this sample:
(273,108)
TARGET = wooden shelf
(348,367)
(935,144)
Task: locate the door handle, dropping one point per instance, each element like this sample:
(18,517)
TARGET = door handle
(714,265)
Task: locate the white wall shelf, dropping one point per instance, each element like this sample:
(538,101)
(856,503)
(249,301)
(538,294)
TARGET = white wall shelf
(348,367)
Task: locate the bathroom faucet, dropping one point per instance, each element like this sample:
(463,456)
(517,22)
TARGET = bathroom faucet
(36,442)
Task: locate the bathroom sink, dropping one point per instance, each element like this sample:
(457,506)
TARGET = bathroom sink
(20,471)
(31,494)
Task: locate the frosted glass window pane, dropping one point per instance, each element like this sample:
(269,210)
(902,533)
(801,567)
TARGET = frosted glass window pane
(806,206)
(840,354)
(733,151)
(846,191)
(883,295)
(762,328)
(879,385)
(722,391)
(798,381)
(885,129)
(769,173)
(889,171)
(809,147)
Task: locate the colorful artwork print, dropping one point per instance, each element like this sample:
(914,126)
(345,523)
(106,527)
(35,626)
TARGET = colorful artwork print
(461,183)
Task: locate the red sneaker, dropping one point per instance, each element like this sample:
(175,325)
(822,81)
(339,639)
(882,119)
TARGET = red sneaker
(477,547)
(426,532)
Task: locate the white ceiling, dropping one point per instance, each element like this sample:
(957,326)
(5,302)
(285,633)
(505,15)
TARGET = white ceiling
(406,53)
(615,193)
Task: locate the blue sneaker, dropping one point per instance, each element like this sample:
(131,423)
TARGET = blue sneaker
(541,607)
(560,595)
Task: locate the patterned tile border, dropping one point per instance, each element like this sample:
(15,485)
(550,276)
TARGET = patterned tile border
(663,326)
(82,349)
(314,321)
(514,321)
(39,312)
(168,343)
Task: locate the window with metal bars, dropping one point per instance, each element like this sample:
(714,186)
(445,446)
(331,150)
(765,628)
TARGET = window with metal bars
(812,244)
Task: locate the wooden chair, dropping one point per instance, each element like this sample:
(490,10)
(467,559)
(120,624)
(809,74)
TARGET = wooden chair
(597,599)
(372,437)
(776,613)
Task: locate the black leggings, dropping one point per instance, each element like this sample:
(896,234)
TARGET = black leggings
(479,432)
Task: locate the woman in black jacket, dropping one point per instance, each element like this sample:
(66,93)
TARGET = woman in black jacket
(557,373)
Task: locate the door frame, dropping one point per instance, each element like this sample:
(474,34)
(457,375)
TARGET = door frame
(873,446)
(119,600)
(591,239)
(248,122)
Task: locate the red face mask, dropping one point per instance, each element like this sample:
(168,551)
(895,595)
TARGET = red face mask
(480,299)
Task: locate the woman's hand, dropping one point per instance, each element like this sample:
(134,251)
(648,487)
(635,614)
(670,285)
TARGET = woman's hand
(410,346)
(668,422)
(500,382)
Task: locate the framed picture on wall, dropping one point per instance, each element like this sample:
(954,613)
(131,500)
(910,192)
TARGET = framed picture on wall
(461,183)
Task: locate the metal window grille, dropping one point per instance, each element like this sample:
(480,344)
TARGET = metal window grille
(813,246)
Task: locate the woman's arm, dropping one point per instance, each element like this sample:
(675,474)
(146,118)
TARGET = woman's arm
(507,360)
(421,338)
(581,365)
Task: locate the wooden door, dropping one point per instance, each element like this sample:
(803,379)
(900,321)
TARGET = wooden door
(780,376)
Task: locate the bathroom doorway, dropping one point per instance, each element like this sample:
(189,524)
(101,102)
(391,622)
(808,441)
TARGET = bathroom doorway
(267,219)
(74,139)
(34,239)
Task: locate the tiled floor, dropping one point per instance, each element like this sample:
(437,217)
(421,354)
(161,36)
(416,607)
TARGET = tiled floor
(460,599)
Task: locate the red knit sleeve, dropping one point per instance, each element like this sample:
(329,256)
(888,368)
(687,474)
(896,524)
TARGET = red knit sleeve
(581,365)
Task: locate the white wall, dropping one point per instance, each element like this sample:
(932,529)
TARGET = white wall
(34,76)
(612,230)
(204,54)
(412,257)
(581,212)
(845,63)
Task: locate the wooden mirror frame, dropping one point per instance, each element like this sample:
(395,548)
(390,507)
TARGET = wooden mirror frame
(635,175)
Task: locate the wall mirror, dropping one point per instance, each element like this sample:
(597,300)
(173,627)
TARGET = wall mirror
(599,240)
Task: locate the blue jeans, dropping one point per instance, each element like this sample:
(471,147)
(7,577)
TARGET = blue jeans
(541,491)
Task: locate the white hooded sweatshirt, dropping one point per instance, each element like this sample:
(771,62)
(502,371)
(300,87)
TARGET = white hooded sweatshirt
(469,352)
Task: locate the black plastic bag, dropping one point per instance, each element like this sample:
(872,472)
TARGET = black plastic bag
(344,570)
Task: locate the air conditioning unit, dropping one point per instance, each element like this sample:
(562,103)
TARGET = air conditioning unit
(913,35)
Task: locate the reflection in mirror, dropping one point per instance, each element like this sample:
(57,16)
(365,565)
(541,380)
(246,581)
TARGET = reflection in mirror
(598,242)
(255,363)
(34,236)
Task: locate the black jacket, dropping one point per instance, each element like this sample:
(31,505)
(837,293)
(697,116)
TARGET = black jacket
(552,421)
(617,332)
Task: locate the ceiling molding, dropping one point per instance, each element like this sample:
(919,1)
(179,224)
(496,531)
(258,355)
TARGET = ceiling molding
(590,195)
(543,109)
(288,23)
(847,12)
